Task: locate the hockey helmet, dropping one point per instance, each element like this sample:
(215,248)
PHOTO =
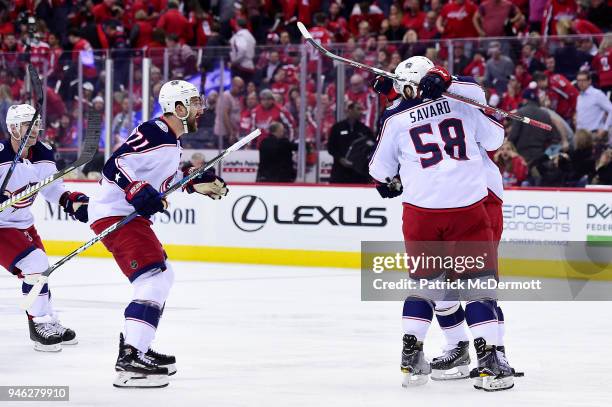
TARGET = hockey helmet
(176,91)
(18,114)
(410,73)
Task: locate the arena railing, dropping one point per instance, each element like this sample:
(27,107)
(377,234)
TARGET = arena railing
(315,92)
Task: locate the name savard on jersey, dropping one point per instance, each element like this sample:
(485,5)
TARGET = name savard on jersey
(431,110)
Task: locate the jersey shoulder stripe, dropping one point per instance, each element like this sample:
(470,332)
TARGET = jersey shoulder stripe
(6,152)
(41,152)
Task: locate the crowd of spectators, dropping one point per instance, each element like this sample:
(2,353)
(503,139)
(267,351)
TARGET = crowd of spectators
(549,58)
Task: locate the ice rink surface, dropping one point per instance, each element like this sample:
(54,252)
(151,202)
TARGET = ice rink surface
(288,336)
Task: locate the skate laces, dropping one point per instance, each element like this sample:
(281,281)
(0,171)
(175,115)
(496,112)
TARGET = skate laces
(44,326)
(57,324)
(449,355)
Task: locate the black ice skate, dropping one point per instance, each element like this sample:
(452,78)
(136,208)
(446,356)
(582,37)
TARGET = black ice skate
(493,372)
(68,335)
(415,367)
(44,334)
(167,361)
(135,370)
(453,364)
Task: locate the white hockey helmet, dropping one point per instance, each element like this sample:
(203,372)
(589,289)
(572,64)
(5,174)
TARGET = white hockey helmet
(176,91)
(18,114)
(411,71)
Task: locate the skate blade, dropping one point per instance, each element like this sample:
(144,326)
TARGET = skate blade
(456,373)
(56,347)
(140,381)
(71,342)
(414,380)
(490,383)
(171,368)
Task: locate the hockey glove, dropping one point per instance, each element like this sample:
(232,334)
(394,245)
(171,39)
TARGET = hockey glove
(391,188)
(144,198)
(207,184)
(435,82)
(75,204)
(382,85)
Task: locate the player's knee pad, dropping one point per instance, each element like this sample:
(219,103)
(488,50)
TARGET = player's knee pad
(169,275)
(152,286)
(35,262)
(447,307)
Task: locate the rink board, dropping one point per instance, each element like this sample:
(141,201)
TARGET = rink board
(324,226)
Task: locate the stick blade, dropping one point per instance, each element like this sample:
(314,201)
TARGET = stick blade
(92,134)
(304,30)
(37,86)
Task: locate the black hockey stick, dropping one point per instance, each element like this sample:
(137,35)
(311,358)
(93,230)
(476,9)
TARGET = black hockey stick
(29,299)
(486,108)
(37,88)
(90,147)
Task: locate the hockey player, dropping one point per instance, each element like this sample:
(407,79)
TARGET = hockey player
(441,165)
(21,249)
(453,364)
(133,178)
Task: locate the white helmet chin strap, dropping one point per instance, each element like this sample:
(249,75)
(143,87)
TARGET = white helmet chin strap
(184,118)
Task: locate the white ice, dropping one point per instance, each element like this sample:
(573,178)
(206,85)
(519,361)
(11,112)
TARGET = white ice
(289,336)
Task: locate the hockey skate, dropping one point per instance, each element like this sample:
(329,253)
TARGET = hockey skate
(167,361)
(68,335)
(493,372)
(135,370)
(415,367)
(44,335)
(453,364)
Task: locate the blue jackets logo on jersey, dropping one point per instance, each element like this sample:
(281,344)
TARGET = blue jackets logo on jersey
(26,202)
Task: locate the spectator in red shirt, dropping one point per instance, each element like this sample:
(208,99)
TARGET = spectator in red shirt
(512,166)
(337,24)
(142,31)
(269,111)
(358,91)
(476,68)
(104,11)
(429,30)
(522,76)
(456,19)
(581,26)
(601,64)
(173,22)
(10,52)
(492,17)
(82,48)
(556,11)
(560,92)
(511,98)
(413,16)
(365,11)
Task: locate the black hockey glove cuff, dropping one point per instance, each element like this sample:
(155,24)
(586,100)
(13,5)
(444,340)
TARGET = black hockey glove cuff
(75,204)
(435,82)
(391,188)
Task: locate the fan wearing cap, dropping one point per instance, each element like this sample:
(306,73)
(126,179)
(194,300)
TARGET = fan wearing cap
(134,177)
(22,252)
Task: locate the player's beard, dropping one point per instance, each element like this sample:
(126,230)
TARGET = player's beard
(192,124)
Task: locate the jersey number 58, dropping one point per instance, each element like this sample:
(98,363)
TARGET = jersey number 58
(454,142)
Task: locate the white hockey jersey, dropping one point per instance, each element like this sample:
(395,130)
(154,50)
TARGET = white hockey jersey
(437,147)
(152,153)
(467,86)
(36,166)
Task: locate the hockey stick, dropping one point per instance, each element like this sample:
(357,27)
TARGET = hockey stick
(29,299)
(487,109)
(37,88)
(90,147)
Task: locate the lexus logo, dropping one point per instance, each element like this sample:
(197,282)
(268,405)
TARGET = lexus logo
(249,213)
